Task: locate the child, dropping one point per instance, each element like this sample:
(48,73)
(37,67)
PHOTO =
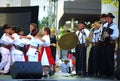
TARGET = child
(64,67)
(35,43)
(31,27)
(46,56)
(19,42)
(6,41)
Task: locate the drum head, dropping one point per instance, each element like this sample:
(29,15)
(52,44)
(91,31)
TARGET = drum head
(68,41)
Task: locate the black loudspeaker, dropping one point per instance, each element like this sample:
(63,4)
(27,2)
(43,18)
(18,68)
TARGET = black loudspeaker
(26,70)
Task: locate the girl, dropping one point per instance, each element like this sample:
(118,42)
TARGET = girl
(46,56)
(35,43)
(31,27)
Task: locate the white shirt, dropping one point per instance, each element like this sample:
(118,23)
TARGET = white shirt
(96,34)
(35,42)
(20,42)
(115,33)
(29,35)
(64,67)
(82,36)
(6,40)
(47,40)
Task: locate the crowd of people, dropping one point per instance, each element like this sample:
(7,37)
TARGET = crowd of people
(34,48)
(102,37)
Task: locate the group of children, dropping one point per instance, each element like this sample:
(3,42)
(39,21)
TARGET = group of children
(32,47)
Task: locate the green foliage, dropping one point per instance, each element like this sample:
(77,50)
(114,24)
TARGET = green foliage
(43,22)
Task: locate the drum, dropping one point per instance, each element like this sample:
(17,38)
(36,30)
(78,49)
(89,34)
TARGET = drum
(68,41)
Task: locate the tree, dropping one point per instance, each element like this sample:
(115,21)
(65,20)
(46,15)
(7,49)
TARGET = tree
(43,22)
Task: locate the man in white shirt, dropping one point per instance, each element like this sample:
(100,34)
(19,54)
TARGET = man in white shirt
(81,49)
(107,58)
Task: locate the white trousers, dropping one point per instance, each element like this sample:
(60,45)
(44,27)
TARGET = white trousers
(5,62)
(32,58)
(17,55)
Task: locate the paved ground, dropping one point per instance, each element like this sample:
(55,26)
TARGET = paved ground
(57,77)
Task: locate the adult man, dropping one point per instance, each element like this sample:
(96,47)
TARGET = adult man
(100,52)
(103,18)
(82,34)
(94,54)
(110,34)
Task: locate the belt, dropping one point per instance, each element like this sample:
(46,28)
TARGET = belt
(94,43)
(108,42)
(18,47)
(33,47)
(6,46)
(112,41)
(82,45)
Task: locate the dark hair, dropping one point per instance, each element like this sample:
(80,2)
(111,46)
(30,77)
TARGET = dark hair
(19,29)
(47,29)
(14,28)
(5,26)
(34,31)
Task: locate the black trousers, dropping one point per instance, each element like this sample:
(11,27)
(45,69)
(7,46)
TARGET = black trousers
(53,51)
(93,61)
(106,59)
(80,60)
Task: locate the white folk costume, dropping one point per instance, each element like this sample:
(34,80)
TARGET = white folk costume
(33,50)
(6,42)
(18,53)
(15,35)
(28,45)
(46,56)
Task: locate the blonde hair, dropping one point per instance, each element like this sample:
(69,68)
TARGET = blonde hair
(52,30)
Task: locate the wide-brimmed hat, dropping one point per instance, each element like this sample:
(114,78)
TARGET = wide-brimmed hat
(102,16)
(65,59)
(110,15)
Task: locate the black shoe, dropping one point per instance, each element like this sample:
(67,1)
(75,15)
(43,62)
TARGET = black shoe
(7,73)
(1,73)
(111,77)
(84,75)
(51,73)
(78,74)
(103,76)
(45,75)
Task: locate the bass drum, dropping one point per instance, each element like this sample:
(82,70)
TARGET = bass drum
(68,41)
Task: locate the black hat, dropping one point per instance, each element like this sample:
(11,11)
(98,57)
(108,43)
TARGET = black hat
(102,16)
(110,15)
(81,22)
